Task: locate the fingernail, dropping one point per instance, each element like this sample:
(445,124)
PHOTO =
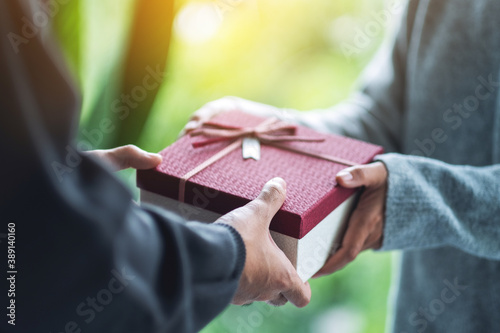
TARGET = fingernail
(154,155)
(345,176)
(192,124)
(279,181)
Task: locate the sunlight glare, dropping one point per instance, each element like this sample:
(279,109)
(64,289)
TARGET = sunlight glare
(197,22)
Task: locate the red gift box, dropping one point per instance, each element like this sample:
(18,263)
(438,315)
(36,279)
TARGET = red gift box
(231,181)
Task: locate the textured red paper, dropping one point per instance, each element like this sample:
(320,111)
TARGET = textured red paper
(312,192)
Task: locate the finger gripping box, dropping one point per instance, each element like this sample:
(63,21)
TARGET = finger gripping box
(205,176)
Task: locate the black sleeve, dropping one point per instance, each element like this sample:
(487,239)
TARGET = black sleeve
(87,258)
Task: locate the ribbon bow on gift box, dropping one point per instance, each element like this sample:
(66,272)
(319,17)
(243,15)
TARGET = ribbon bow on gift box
(272,132)
(269,131)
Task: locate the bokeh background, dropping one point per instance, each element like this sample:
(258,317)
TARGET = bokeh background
(298,54)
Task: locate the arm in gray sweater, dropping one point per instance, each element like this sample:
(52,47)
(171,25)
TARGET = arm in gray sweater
(429,203)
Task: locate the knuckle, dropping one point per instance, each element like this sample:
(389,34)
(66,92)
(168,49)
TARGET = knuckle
(278,302)
(273,192)
(288,279)
(352,253)
(283,283)
(307,300)
(371,220)
(129,154)
(130,148)
(304,300)
(359,173)
(377,219)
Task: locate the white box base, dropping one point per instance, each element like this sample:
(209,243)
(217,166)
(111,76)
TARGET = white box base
(307,254)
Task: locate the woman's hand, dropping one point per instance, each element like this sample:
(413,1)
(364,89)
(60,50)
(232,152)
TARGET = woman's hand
(226,104)
(366,225)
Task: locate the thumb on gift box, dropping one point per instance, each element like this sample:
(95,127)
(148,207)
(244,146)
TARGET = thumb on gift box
(361,175)
(268,275)
(270,199)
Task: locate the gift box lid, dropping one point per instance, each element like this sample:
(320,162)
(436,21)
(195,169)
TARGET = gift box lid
(231,182)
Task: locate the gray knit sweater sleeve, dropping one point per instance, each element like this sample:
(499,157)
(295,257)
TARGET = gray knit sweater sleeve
(429,203)
(436,93)
(433,204)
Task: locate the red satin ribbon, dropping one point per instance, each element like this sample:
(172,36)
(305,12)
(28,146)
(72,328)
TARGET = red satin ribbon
(272,132)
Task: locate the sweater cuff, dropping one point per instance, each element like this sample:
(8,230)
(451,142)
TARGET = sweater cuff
(240,252)
(399,229)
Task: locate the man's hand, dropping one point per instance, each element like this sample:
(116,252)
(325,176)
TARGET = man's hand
(127,157)
(268,275)
(366,225)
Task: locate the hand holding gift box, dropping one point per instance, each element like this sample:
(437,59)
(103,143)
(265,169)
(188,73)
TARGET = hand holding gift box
(366,224)
(205,175)
(267,274)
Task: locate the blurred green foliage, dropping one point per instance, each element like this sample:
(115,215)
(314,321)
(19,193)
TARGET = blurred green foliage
(288,53)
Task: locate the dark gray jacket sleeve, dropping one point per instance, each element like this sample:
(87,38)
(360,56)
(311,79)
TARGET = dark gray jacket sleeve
(87,258)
